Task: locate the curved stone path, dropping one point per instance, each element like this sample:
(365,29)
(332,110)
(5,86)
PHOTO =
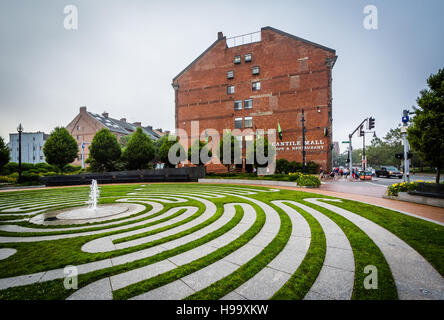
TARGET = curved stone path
(172,223)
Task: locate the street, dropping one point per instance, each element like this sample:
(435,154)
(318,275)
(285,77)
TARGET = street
(375,188)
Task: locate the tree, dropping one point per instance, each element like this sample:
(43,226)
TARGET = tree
(60,148)
(4,153)
(426,134)
(197,147)
(167,142)
(139,151)
(234,149)
(104,151)
(382,151)
(124,140)
(261,144)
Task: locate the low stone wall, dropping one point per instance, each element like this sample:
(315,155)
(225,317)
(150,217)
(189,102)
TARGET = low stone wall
(436,202)
(186,174)
(254,182)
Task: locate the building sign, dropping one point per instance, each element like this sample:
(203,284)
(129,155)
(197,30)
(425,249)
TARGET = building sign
(285,146)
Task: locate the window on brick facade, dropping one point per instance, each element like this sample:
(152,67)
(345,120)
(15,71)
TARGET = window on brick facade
(230,74)
(248,57)
(248,104)
(78,127)
(230,89)
(238,123)
(248,122)
(255,70)
(256,86)
(238,105)
(237,59)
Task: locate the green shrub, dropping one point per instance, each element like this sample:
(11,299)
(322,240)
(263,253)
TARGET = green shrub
(312,167)
(49,173)
(7,179)
(70,168)
(282,166)
(308,181)
(45,167)
(9,168)
(30,177)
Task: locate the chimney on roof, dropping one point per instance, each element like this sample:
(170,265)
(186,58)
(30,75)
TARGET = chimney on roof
(137,124)
(123,119)
(105,114)
(82,109)
(220,35)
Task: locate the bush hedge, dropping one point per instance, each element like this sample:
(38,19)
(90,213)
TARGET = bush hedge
(284,166)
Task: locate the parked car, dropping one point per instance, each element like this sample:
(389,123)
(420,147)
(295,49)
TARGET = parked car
(373,171)
(388,171)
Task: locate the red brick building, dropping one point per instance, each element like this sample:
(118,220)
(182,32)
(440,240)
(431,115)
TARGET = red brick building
(257,84)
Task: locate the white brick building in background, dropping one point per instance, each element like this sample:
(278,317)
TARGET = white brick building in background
(32,147)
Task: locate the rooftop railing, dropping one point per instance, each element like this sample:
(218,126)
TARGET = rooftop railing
(244,39)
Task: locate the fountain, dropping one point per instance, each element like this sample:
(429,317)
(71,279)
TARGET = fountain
(94,194)
(92,213)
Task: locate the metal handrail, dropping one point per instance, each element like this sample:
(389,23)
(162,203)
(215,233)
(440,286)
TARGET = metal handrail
(244,39)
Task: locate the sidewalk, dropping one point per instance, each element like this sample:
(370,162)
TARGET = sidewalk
(420,210)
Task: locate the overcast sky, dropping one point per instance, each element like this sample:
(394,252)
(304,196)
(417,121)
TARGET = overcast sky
(124,55)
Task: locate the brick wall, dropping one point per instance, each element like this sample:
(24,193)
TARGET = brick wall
(83,128)
(294,75)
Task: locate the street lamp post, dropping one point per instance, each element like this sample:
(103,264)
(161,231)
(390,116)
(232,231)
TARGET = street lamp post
(20,130)
(303,142)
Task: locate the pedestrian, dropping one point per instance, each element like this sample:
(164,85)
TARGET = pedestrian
(321,173)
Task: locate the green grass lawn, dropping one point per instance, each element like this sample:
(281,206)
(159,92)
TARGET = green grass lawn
(425,237)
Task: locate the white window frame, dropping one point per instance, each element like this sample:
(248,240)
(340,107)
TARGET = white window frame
(232,74)
(248,119)
(251,104)
(241,122)
(237,59)
(258,70)
(230,90)
(256,86)
(239,102)
(250,57)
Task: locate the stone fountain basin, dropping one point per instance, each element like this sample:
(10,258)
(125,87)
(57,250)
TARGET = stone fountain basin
(86,213)
(82,215)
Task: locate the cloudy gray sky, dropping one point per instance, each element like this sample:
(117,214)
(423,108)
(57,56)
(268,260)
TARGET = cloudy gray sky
(124,55)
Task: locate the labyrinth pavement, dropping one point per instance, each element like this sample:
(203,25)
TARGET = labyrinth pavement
(204,242)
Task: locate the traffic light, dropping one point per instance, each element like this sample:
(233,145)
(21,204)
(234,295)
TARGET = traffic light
(409,155)
(361,131)
(371,123)
(405,116)
(399,156)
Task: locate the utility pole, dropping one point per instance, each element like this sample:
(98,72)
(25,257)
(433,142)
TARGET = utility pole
(20,130)
(350,154)
(405,120)
(364,162)
(303,142)
(361,133)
